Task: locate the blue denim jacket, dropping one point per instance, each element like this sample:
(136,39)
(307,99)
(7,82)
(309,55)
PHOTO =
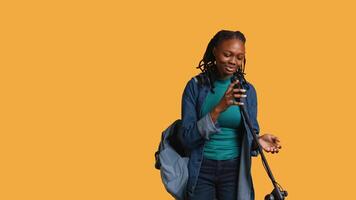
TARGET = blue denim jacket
(196,129)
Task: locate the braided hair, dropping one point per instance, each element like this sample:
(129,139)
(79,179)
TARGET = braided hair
(208,64)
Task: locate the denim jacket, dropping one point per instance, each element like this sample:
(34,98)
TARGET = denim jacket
(197,129)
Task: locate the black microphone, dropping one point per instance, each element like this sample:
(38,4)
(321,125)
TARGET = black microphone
(238,75)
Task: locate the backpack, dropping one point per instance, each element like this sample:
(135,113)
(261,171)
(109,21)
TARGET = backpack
(172,161)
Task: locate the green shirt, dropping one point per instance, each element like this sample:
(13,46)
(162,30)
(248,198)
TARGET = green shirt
(226,143)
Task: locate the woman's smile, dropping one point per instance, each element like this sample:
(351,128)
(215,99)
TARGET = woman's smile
(230,69)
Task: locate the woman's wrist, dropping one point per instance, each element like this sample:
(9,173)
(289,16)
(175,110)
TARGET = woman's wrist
(214,114)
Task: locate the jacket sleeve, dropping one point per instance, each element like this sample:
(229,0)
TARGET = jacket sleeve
(252,101)
(194,131)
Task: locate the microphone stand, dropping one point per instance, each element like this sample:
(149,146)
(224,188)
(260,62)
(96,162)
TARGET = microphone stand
(278,193)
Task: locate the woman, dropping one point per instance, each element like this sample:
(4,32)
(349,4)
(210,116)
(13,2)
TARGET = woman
(214,131)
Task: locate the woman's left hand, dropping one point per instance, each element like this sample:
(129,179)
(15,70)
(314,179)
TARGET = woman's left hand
(269,143)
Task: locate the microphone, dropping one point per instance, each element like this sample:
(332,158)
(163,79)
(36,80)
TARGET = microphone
(238,75)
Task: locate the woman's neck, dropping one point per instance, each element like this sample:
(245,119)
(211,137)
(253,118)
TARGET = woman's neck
(222,78)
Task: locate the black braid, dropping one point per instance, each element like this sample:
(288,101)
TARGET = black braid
(208,65)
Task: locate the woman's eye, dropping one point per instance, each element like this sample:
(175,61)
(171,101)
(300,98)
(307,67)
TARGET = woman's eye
(226,55)
(241,57)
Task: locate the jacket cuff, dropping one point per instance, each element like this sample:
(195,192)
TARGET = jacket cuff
(206,127)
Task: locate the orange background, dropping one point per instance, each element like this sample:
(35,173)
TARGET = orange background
(88,86)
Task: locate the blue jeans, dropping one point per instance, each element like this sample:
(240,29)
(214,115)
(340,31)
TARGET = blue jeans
(217,180)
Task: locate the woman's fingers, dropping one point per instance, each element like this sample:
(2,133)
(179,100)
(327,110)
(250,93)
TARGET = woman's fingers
(275,150)
(276,142)
(232,94)
(271,149)
(240,95)
(279,146)
(275,138)
(232,102)
(238,90)
(272,143)
(231,86)
(238,103)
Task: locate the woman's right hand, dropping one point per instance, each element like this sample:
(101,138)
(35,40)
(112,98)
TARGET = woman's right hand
(227,100)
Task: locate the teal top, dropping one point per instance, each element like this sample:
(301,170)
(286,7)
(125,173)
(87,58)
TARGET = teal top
(225,144)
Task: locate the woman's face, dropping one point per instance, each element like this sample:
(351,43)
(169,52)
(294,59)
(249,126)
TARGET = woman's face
(229,55)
